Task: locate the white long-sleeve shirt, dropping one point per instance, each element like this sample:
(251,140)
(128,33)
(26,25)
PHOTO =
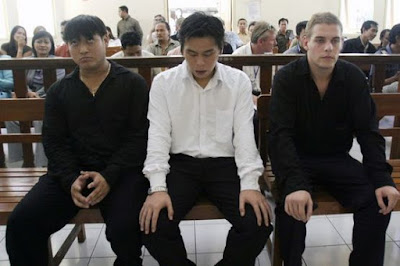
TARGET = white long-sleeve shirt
(216,121)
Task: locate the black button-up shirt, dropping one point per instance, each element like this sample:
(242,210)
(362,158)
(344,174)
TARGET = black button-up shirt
(301,123)
(106,133)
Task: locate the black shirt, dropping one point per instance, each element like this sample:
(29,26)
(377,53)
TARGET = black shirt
(355,46)
(13,50)
(303,124)
(106,133)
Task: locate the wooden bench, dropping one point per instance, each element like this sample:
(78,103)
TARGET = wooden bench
(387,104)
(15,183)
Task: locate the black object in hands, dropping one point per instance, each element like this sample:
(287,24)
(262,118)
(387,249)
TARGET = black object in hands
(86,191)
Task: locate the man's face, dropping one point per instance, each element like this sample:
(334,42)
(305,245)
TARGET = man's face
(201,54)
(323,46)
(283,25)
(162,32)
(371,32)
(302,37)
(133,50)
(269,42)
(242,25)
(88,54)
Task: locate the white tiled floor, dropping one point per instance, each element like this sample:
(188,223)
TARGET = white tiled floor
(328,243)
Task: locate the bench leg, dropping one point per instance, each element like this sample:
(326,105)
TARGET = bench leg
(50,252)
(82,234)
(276,253)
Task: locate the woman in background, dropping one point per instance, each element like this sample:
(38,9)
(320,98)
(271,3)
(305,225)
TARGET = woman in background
(384,38)
(17,47)
(112,41)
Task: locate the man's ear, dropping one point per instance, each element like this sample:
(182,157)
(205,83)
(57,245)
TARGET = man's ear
(306,41)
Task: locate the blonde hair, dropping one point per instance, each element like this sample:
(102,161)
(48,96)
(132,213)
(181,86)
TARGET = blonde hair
(322,18)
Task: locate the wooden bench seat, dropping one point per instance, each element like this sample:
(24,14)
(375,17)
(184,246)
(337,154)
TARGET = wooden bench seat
(386,104)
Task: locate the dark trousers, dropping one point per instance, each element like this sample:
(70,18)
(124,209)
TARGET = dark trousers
(346,179)
(47,208)
(218,179)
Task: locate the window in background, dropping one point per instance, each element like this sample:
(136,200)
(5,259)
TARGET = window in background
(3,27)
(36,13)
(354,12)
(183,8)
(392,13)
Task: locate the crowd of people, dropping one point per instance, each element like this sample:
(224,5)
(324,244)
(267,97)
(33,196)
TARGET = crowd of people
(110,142)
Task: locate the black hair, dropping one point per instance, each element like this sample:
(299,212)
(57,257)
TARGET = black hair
(383,32)
(283,19)
(201,25)
(13,46)
(43,34)
(130,38)
(124,8)
(300,26)
(64,22)
(394,32)
(84,25)
(251,24)
(166,25)
(241,20)
(368,24)
(110,31)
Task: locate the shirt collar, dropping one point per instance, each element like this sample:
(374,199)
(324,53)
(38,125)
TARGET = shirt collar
(115,70)
(338,72)
(217,78)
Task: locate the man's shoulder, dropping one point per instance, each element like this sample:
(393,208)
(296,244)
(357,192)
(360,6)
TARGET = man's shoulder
(293,50)
(242,50)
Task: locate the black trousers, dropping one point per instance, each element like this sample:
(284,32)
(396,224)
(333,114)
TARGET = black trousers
(47,208)
(218,179)
(346,179)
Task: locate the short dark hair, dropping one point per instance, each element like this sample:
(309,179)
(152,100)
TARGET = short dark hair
(124,8)
(368,24)
(251,24)
(130,38)
(383,32)
(64,22)
(43,34)
(283,19)
(300,26)
(84,25)
(166,25)
(394,32)
(201,25)
(241,20)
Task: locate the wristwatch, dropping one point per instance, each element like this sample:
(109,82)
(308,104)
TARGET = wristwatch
(157,189)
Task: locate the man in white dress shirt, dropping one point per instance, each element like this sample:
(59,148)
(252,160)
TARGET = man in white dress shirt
(201,141)
(263,40)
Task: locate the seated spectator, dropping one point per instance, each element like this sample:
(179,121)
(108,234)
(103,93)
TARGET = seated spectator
(152,36)
(6,80)
(262,41)
(384,38)
(392,71)
(132,46)
(232,38)
(43,46)
(362,43)
(37,29)
(250,28)
(300,37)
(178,25)
(284,35)
(17,46)
(112,41)
(164,43)
(62,50)
(242,31)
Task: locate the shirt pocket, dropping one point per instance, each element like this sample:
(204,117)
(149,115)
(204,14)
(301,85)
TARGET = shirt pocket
(223,126)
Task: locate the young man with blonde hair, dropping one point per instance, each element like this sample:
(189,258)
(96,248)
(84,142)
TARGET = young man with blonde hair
(319,103)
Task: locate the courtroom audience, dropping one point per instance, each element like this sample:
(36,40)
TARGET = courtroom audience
(17,46)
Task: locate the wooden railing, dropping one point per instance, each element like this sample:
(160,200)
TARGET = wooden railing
(144,64)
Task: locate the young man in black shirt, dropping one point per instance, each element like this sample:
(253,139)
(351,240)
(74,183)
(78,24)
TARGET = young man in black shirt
(95,137)
(318,104)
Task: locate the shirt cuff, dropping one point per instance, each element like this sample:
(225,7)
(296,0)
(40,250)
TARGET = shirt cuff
(157,179)
(249,182)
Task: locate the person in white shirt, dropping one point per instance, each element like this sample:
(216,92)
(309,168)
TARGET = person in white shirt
(263,40)
(132,46)
(201,141)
